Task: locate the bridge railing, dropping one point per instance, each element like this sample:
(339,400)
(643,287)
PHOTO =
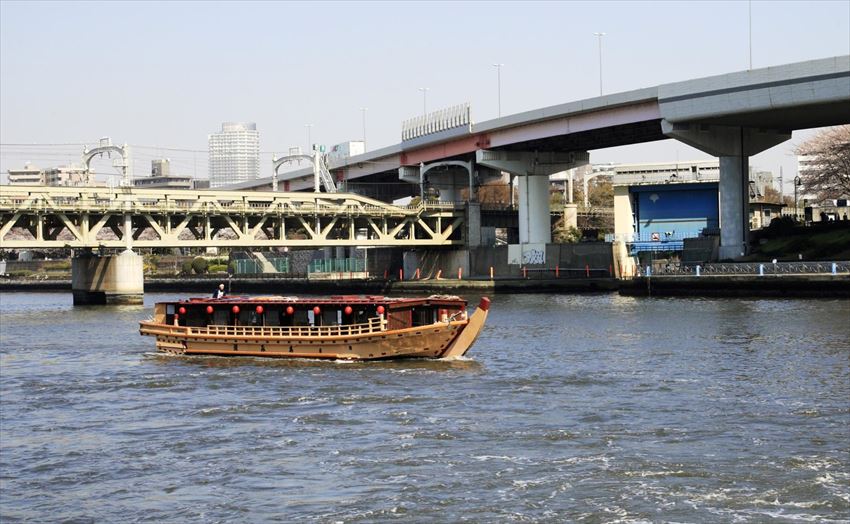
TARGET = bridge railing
(65,199)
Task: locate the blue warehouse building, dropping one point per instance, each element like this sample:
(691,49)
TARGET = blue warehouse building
(664,215)
(658,206)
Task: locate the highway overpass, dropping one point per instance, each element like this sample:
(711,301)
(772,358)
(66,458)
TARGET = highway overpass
(732,116)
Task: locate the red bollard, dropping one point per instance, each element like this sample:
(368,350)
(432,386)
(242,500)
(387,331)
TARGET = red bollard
(386,273)
(587,270)
(460,273)
(401,274)
(557,272)
(524,272)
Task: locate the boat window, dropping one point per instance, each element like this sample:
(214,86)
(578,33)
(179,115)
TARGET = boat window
(422,316)
(221,317)
(195,317)
(272,316)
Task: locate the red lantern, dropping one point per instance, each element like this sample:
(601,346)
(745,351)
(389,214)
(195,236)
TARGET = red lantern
(348,310)
(381,310)
(290,310)
(235,310)
(317,310)
(209,310)
(259,310)
(182,310)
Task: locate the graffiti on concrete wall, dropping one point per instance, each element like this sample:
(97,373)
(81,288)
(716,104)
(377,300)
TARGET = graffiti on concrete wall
(534,256)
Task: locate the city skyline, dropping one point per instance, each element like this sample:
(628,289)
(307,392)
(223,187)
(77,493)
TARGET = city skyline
(288,76)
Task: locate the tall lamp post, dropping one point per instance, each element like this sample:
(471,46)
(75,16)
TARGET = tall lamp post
(363,111)
(424,100)
(499,85)
(309,136)
(599,36)
(797,183)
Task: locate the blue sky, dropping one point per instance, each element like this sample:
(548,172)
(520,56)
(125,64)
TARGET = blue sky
(166,74)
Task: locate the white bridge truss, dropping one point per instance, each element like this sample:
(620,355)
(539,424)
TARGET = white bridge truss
(40,217)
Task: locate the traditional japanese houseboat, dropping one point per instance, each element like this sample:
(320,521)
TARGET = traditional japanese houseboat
(336,327)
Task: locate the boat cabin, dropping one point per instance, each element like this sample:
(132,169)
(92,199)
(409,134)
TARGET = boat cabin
(338,310)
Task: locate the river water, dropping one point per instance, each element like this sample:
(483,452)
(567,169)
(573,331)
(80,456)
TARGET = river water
(586,408)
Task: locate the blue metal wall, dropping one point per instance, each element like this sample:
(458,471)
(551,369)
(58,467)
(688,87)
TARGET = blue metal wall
(676,209)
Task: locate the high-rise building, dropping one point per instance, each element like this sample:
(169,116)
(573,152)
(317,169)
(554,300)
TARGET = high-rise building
(234,154)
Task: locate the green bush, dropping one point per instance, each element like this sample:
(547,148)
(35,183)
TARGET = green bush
(569,235)
(217,268)
(231,268)
(20,273)
(60,265)
(199,265)
(186,268)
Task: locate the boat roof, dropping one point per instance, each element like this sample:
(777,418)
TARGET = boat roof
(333,299)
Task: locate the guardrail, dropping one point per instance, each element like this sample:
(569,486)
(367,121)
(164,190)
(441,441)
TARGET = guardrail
(751,268)
(565,272)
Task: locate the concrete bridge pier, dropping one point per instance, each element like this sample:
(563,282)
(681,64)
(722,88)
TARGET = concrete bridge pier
(111,279)
(733,145)
(533,169)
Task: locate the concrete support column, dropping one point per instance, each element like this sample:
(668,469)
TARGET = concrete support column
(733,145)
(128,231)
(571,215)
(473,221)
(114,279)
(534,221)
(734,206)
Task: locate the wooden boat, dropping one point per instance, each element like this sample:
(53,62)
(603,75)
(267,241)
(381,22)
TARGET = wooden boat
(337,327)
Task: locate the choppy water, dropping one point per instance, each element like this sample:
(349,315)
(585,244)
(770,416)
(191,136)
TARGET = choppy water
(570,408)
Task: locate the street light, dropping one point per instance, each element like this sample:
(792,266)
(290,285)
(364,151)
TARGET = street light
(499,84)
(309,138)
(750,17)
(363,111)
(599,36)
(424,100)
(797,183)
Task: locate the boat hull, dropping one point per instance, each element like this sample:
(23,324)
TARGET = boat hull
(420,342)
(389,335)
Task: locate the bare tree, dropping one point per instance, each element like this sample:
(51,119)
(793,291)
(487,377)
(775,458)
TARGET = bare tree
(828,175)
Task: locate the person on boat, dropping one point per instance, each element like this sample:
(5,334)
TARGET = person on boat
(219,293)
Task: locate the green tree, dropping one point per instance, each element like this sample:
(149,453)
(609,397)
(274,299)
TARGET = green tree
(199,265)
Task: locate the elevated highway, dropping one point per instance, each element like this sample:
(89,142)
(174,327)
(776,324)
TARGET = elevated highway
(732,116)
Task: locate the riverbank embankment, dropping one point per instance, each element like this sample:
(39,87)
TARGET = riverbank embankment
(288,286)
(802,286)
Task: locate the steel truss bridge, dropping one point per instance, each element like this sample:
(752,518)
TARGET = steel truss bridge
(39,217)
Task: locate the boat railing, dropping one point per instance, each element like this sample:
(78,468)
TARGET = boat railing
(373,325)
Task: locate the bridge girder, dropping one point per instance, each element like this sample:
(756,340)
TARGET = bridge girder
(98,217)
